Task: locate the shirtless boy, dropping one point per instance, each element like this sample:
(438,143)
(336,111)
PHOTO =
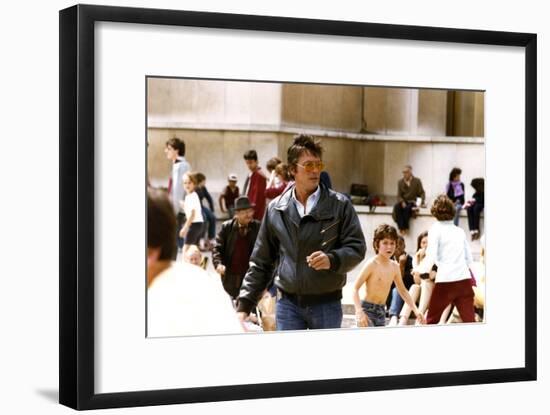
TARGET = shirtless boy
(378,274)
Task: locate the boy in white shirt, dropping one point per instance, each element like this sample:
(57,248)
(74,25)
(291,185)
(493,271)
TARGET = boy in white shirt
(448,248)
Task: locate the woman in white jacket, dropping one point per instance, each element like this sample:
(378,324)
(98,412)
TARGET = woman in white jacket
(449,249)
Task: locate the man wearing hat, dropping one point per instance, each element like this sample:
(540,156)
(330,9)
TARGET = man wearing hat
(234,244)
(229,195)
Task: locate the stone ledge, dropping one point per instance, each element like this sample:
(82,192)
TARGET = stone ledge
(387,210)
(316,131)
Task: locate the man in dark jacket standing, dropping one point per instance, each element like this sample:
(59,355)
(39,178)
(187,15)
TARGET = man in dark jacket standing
(234,244)
(313,237)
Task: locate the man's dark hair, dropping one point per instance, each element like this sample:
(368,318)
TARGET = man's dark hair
(443,208)
(251,155)
(303,143)
(383,231)
(177,145)
(161,223)
(454,172)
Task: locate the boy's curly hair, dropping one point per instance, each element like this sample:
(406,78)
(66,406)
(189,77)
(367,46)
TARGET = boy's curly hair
(443,208)
(383,231)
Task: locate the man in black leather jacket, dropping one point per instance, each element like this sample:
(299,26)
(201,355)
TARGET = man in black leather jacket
(313,237)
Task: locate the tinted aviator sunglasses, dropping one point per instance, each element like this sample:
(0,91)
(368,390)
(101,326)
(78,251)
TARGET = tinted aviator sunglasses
(309,166)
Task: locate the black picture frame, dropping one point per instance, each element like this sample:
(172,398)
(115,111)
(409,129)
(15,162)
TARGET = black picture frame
(76,278)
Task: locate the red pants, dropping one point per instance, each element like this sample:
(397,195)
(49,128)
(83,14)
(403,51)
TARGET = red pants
(458,293)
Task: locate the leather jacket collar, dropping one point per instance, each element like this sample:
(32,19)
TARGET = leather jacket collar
(323,210)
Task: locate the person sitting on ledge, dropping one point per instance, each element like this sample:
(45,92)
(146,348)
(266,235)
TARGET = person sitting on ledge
(411,194)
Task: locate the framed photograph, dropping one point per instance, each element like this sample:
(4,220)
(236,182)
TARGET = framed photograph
(162,108)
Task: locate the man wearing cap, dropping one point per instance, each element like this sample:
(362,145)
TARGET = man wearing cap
(229,195)
(309,239)
(234,244)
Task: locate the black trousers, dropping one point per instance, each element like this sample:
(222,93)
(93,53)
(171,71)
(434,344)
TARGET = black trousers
(402,215)
(474,215)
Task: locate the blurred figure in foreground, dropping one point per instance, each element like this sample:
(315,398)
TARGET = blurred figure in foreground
(182,299)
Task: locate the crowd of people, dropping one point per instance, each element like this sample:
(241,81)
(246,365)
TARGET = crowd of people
(282,257)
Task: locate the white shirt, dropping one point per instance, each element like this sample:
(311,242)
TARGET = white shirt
(192,202)
(449,249)
(310,202)
(185,300)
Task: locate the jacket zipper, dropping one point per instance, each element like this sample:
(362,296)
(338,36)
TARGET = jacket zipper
(330,226)
(331,239)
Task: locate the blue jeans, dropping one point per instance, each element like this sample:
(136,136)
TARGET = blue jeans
(290,316)
(375,312)
(458,207)
(396,303)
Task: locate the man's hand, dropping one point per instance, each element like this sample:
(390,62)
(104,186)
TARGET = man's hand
(183,232)
(318,261)
(220,269)
(361,319)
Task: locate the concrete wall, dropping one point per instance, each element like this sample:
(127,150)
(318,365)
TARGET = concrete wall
(186,102)
(469,111)
(326,107)
(405,111)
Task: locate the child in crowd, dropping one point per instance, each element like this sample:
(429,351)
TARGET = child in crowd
(449,249)
(207,212)
(425,282)
(378,274)
(194,256)
(193,226)
(405,262)
(229,195)
(455,191)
